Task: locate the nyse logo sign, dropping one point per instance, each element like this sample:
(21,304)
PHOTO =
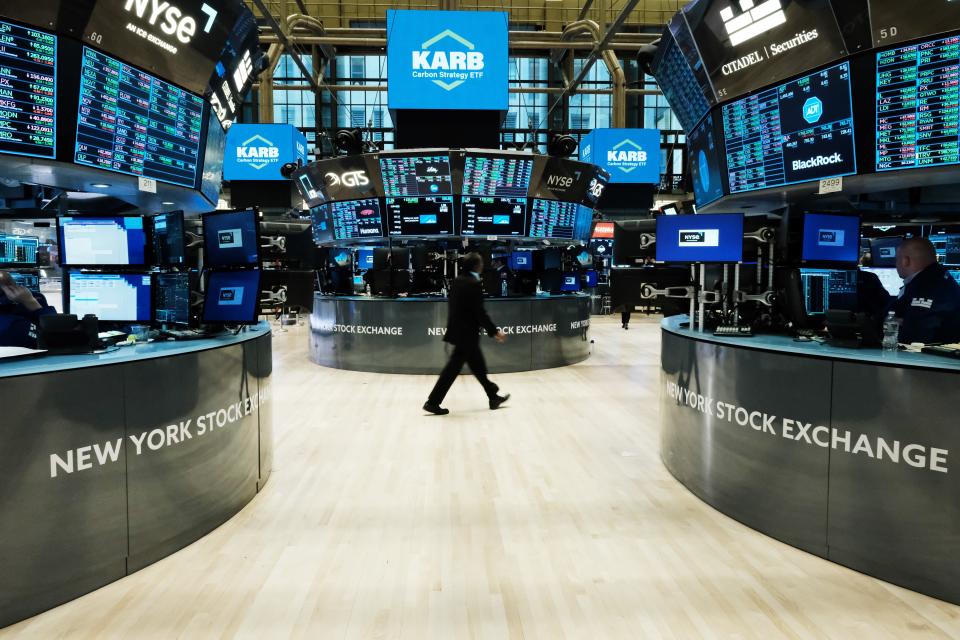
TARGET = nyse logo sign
(831,238)
(170,19)
(700,238)
(448,69)
(627,156)
(258,156)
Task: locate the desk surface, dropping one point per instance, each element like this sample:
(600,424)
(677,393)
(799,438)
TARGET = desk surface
(787,344)
(148,351)
(571,296)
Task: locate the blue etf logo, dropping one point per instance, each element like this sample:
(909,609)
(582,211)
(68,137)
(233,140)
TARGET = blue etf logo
(629,155)
(257,151)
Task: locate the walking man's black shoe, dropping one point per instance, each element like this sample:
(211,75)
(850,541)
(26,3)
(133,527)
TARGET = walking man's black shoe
(437,410)
(496,401)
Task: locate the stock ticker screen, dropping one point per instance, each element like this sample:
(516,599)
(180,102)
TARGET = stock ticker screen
(356,219)
(685,90)
(419,175)
(497,176)
(553,219)
(796,132)
(424,216)
(918,105)
(28,81)
(493,216)
(16,249)
(134,123)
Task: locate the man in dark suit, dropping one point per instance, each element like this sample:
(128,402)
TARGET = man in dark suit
(929,303)
(466,317)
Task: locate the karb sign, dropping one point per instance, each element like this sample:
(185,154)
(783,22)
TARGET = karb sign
(447,60)
(257,151)
(631,156)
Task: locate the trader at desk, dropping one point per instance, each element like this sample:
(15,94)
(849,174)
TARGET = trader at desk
(20,312)
(929,303)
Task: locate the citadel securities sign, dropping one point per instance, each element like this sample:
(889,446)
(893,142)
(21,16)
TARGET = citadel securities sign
(630,156)
(447,60)
(257,151)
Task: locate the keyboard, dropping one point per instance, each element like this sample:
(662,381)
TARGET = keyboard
(184,334)
(948,350)
(733,332)
(808,333)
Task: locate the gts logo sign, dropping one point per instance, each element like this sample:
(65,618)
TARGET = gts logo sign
(170,19)
(348,179)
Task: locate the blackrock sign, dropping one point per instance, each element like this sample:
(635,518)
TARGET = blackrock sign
(447,60)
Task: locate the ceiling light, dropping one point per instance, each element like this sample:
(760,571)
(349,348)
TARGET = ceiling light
(100,185)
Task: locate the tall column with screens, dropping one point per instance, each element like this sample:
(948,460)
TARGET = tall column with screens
(133,123)
(495,195)
(796,132)
(28,80)
(918,105)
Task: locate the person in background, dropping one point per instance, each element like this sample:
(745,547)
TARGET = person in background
(20,313)
(872,298)
(929,303)
(625,313)
(466,317)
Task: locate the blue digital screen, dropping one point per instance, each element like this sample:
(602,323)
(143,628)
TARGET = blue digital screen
(829,238)
(112,297)
(705,153)
(571,281)
(447,59)
(688,92)
(18,249)
(884,251)
(232,297)
(258,151)
(420,216)
(700,238)
(230,239)
(521,261)
(592,279)
(28,100)
(212,178)
(630,156)
(365,259)
(102,241)
(796,132)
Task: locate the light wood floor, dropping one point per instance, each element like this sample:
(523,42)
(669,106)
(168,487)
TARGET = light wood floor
(552,518)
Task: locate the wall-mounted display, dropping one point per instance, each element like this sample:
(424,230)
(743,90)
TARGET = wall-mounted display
(28,91)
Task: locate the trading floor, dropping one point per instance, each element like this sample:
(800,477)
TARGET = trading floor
(552,518)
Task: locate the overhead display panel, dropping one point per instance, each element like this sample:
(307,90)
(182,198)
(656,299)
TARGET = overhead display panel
(212,178)
(420,216)
(346,178)
(234,72)
(918,105)
(505,176)
(356,220)
(496,216)
(131,122)
(28,82)
(749,44)
(552,219)
(681,75)
(181,40)
(416,175)
(899,20)
(705,153)
(796,132)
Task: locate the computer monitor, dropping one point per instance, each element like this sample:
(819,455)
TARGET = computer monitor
(549,259)
(591,278)
(30,281)
(420,216)
(106,241)
(714,238)
(168,239)
(231,239)
(830,240)
(947,247)
(112,297)
(232,297)
(584,258)
(826,289)
(884,251)
(521,261)
(889,278)
(493,216)
(955,273)
(552,281)
(341,258)
(171,298)
(364,259)
(19,250)
(571,282)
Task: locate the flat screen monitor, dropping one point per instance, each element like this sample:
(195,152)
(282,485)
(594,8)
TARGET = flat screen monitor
(603,231)
(364,259)
(231,239)
(830,239)
(916,103)
(421,174)
(133,123)
(521,261)
(169,239)
(232,297)
(571,282)
(212,178)
(591,278)
(884,251)
(705,153)
(553,219)
(99,241)
(700,238)
(955,274)
(898,21)
(493,216)
(682,77)
(826,289)
(112,297)
(322,225)
(420,216)
(796,132)
(171,298)
(28,92)
(19,250)
(341,258)
(947,247)
(889,278)
(30,281)
(497,175)
(356,219)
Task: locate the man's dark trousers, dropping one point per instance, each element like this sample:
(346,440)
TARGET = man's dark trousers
(471,355)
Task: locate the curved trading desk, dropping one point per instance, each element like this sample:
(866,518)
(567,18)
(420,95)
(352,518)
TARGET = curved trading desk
(110,462)
(849,454)
(405,335)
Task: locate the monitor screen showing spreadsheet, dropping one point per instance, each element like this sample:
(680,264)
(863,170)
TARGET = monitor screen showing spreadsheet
(112,297)
(102,241)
